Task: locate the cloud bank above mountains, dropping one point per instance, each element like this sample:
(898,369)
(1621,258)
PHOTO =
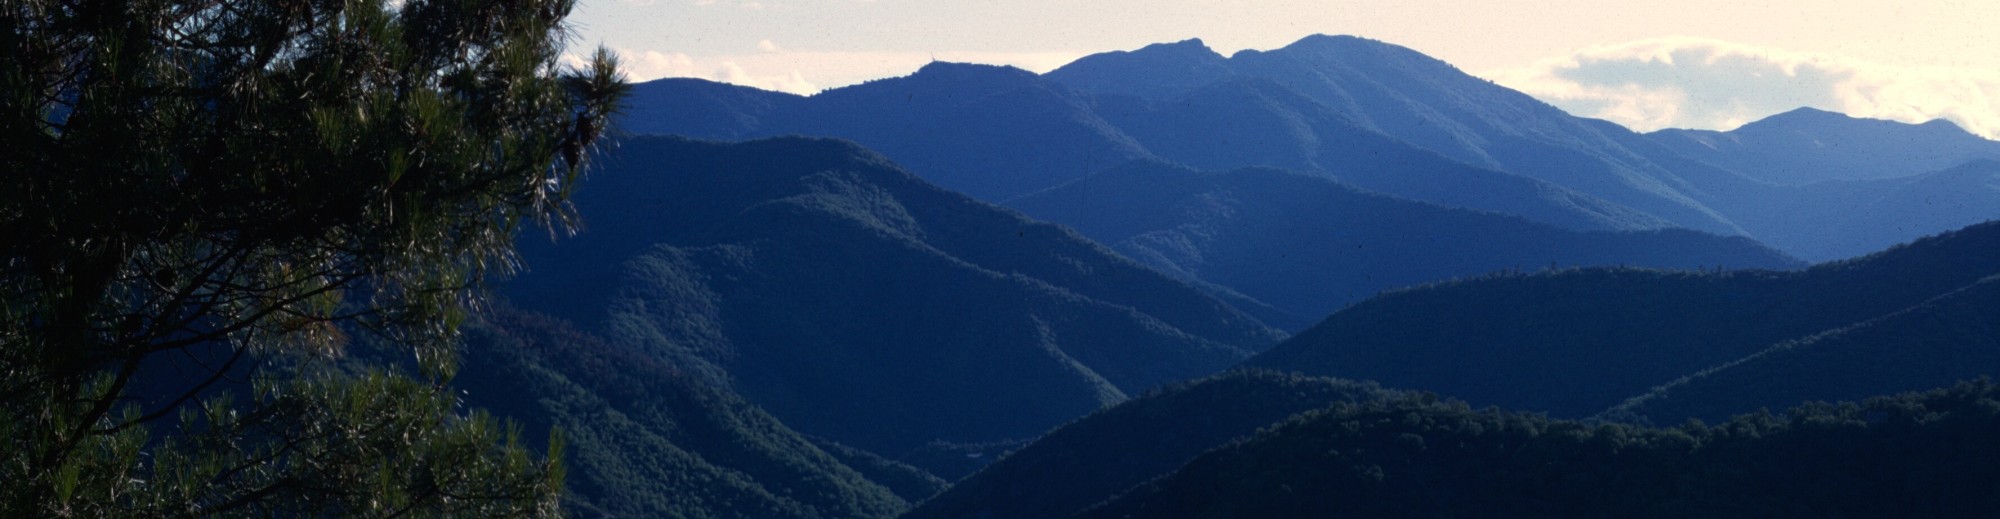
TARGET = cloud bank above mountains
(1683,82)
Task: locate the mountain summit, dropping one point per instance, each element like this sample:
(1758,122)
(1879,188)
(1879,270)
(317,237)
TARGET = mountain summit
(1414,98)
(1809,145)
(1172,69)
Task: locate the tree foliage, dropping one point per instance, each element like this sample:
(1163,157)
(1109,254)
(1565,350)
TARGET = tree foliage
(1909,455)
(244,185)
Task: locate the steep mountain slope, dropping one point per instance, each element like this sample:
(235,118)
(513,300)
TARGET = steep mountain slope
(1573,343)
(1258,122)
(1308,245)
(1385,118)
(860,304)
(1926,455)
(990,132)
(1728,183)
(1414,98)
(1952,337)
(644,439)
(703,108)
(998,133)
(1110,451)
(1807,145)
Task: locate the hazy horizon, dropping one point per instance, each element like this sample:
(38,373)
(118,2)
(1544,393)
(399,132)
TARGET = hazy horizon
(1706,65)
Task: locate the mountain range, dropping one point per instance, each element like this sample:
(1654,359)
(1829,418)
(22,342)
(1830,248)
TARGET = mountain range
(1574,343)
(1381,117)
(1308,245)
(858,303)
(1551,349)
(1166,282)
(1809,145)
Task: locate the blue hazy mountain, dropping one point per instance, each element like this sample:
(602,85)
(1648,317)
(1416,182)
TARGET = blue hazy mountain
(1417,99)
(998,133)
(1308,245)
(1808,145)
(1738,186)
(1841,219)
(1258,122)
(1169,70)
(705,108)
(858,303)
(990,132)
(1576,342)
(1375,115)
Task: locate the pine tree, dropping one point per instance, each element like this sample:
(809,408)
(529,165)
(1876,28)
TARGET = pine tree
(248,188)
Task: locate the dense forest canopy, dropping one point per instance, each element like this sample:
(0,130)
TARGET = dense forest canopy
(1917,454)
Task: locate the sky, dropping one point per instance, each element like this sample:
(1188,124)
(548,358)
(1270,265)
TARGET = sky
(1648,65)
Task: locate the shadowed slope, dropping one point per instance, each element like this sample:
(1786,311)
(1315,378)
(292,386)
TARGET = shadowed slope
(1573,343)
(1308,245)
(1111,451)
(1923,454)
(860,304)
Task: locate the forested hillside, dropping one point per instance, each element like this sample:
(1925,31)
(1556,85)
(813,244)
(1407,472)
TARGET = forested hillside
(1920,454)
(1573,343)
(643,438)
(1951,337)
(1108,452)
(860,304)
(1387,119)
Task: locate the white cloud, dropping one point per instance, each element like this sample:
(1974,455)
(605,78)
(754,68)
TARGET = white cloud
(807,72)
(1700,83)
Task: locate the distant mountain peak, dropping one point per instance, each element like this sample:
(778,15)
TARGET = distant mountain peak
(1328,39)
(1943,125)
(956,70)
(1189,48)
(1802,115)
(1347,43)
(1807,111)
(1807,117)
(1356,51)
(1160,70)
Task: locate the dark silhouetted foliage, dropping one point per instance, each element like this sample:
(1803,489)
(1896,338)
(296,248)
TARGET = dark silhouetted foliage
(249,184)
(1110,451)
(1914,455)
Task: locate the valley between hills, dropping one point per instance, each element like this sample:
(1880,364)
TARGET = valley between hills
(1335,278)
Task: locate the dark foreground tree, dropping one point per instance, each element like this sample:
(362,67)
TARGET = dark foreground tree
(234,189)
